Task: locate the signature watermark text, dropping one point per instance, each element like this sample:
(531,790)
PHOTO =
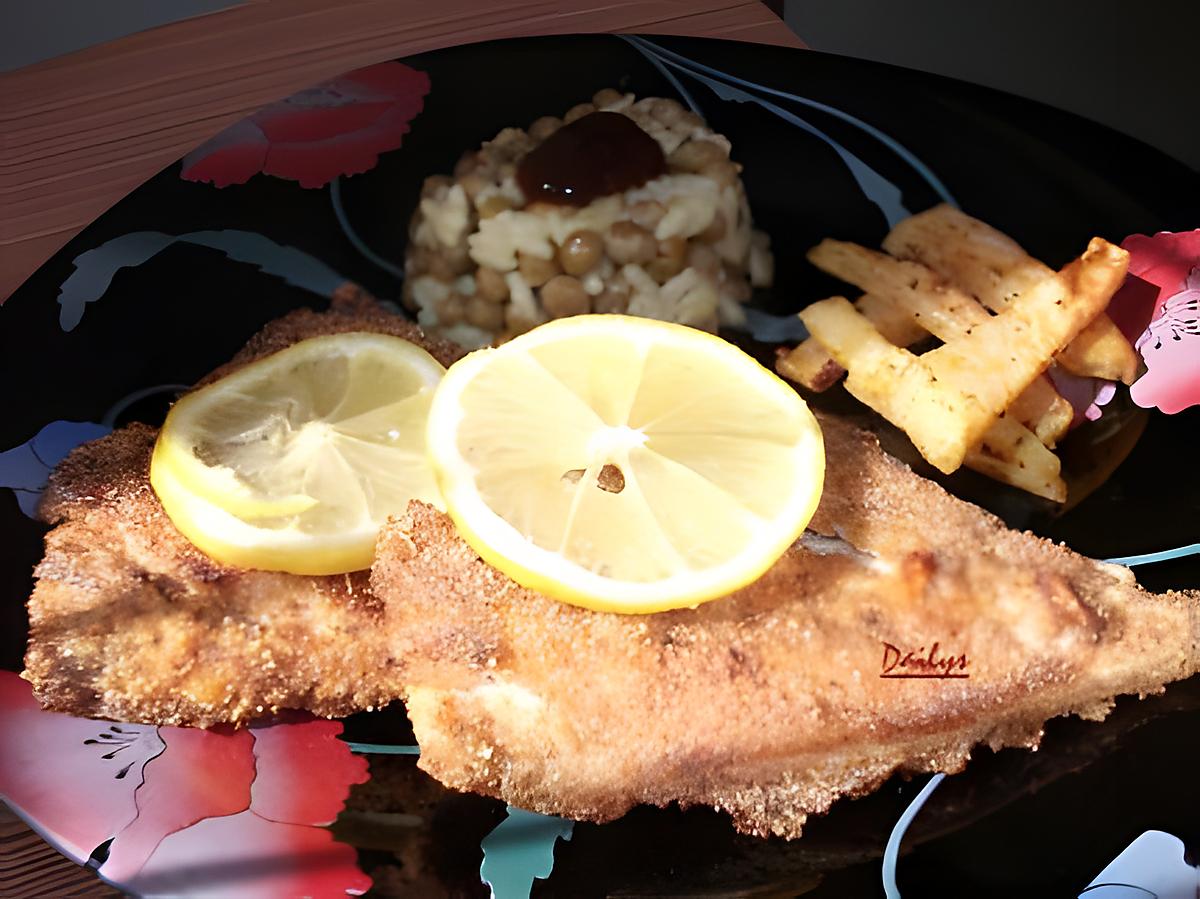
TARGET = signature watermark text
(919,662)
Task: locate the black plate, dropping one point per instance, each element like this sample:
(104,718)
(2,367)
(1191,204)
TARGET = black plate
(1015,820)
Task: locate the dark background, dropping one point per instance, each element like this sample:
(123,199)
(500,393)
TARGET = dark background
(1132,66)
(1128,65)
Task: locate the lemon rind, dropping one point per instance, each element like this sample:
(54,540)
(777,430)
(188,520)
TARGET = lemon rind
(502,546)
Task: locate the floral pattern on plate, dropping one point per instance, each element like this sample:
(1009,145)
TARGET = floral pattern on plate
(180,811)
(336,128)
(1162,294)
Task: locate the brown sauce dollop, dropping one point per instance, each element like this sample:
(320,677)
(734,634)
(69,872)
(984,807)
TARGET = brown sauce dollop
(597,155)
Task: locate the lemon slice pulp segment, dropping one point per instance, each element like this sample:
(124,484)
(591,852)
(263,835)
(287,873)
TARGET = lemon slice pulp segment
(293,462)
(623,464)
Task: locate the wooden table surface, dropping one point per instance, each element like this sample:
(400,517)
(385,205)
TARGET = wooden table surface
(83,130)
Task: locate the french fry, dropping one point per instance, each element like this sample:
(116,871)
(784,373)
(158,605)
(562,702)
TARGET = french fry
(879,373)
(943,311)
(1012,454)
(1001,357)
(890,320)
(1043,410)
(993,267)
(947,399)
(893,382)
(1101,351)
(811,365)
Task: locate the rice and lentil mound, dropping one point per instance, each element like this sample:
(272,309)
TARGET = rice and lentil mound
(486,263)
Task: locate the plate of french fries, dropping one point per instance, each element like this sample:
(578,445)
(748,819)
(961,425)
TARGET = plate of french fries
(951,332)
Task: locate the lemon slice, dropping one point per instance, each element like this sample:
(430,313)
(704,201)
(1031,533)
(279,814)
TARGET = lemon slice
(623,464)
(293,462)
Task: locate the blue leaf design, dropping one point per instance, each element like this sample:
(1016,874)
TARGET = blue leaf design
(651,53)
(880,191)
(339,213)
(769,328)
(891,852)
(1154,866)
(25,468)
(114,411)
(382,749)
(655,53)
(94,270)
(520,850)
(1165,555)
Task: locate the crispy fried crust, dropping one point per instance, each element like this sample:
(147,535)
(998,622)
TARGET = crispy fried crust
(769,703)
(129,621)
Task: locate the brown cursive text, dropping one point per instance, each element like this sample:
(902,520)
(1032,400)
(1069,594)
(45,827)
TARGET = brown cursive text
(919,663)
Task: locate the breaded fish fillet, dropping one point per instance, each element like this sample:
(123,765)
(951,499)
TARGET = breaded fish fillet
(769,703)
(129,621)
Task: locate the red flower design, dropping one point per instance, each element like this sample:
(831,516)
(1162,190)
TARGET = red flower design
(1087,396)
(1160,301)
(336,128)
(189,812)
(42,754)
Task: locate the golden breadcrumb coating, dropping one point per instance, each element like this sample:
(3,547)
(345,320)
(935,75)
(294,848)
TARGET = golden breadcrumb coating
(131,622)
(769,703)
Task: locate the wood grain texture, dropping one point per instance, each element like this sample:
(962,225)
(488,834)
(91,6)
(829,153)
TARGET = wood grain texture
(32,869)
(83,130)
